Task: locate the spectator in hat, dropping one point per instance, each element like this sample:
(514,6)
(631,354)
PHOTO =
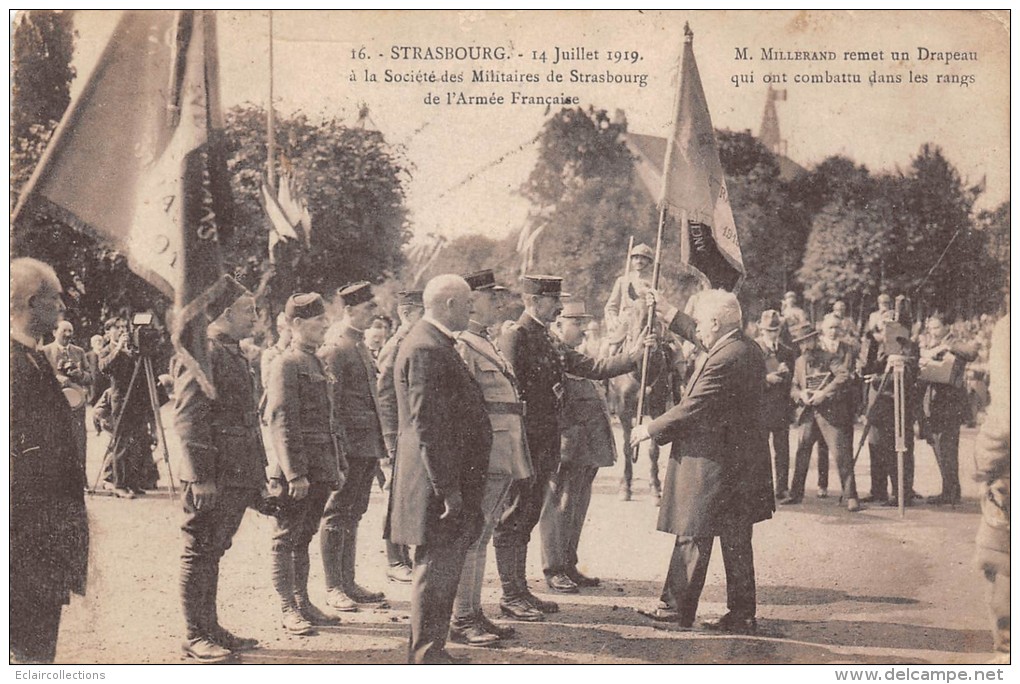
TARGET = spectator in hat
(779,362)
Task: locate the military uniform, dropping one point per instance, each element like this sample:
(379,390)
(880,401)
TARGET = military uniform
(539,362)
(49,531)
(351,365)
(298,397)
(221,443)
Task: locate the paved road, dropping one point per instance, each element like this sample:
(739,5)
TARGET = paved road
(833,588)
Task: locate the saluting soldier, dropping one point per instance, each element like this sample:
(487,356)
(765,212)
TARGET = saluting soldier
(409,309)
(309,466)
(348,361)
(779,363)
(223,466)
(539,363)
(508,459)
(586,444)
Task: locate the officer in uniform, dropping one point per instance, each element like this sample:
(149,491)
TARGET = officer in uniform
(223,466)
(508,459)
(49,528)
(586,444)
(409,309)
(352,368)
(820,378)
(539,363)
(309,465)
(779,363)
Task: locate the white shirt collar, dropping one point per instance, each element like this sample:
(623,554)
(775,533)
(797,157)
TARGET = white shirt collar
(442,328)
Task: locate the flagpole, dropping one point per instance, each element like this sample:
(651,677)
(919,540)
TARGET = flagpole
(271,118)
(657,265)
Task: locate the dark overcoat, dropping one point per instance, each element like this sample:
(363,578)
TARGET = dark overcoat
(719,477)
(443,441)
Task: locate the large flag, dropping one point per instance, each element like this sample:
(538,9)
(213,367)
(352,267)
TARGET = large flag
(138,160)
(693,186)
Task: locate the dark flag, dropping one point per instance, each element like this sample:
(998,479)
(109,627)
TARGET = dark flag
(138,159)
(693,186)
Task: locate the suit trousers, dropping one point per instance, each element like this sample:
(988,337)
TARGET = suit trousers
(469,590)
(566,506)
(781,450)
(839,439)
(527,497)
(208,533)
(946,443)
(884,463)
(688,568)
(35,622)
(437,573)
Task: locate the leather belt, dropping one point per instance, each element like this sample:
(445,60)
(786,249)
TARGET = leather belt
(515,408)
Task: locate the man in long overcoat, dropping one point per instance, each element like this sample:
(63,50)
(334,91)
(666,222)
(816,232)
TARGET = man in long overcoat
(718,482)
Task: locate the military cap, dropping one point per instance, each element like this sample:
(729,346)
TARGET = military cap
(549,286)
(356,293)
(410,298)
(770,320)
(225,292)
(790,294)
(642,250)
(483,280)
(574,310)
(802,332)
(305,305)
(885,298)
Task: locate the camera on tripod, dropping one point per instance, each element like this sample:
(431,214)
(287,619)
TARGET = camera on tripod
(146,337)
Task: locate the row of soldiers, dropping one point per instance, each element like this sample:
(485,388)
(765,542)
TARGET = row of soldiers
(476,447)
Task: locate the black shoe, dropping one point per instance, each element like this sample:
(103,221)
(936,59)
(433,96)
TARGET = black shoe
(444,657)
(360,594)
(502,631)
(582,580)
(138,491)
(541,605)
(400,573)
(874,498)
(943,499)
(561,583)
(205,650)
(232,642)
(520,608)
(894,502)
(471,634)
(733,625)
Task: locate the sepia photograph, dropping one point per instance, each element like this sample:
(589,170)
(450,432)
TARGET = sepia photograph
(510,337)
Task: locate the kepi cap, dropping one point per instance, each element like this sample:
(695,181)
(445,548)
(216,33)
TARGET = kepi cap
(483,280)
(574,310)
(305,305)
(410,298)
(356,293)
(549,286)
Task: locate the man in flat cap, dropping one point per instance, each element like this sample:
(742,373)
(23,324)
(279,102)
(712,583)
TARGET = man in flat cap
(348,361)
(223,466)
(309,465)
(539,363)
(779,362)
(442,459)
(409,310)
(586,444)
(49,528)
(620,309)
(508,459)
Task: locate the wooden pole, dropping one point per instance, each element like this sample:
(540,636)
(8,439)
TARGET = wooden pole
(271,118)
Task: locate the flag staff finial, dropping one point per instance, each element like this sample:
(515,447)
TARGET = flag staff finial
(688,33)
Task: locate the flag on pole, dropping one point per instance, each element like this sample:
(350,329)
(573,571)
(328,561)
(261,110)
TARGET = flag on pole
(693,186)
(138,160)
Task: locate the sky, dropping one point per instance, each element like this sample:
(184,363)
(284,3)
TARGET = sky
(468,161)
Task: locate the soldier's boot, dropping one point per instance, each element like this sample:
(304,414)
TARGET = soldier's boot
(348,559)
(218,633)
(653,472)
(283,582)
(628,471)
(540,605)
(194,602)
(305,607)
(331,541)
(514,603)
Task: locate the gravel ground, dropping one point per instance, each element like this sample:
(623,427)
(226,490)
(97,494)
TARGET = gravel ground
(832,587)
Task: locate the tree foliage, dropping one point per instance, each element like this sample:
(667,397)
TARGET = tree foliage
(41,71)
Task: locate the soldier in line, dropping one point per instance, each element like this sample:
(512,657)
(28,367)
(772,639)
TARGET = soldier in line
(779,363)
(539,365)
(628,290)
(586,444)
(223,467)
(74,375)
(348,361)
(309,466)
(820,378)
(409,309)
(49,528)
(508,459)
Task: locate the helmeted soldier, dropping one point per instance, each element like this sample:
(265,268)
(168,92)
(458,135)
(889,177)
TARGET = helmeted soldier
(309,465)
(539,363)
(223,466)
(349,362)
(621,307)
